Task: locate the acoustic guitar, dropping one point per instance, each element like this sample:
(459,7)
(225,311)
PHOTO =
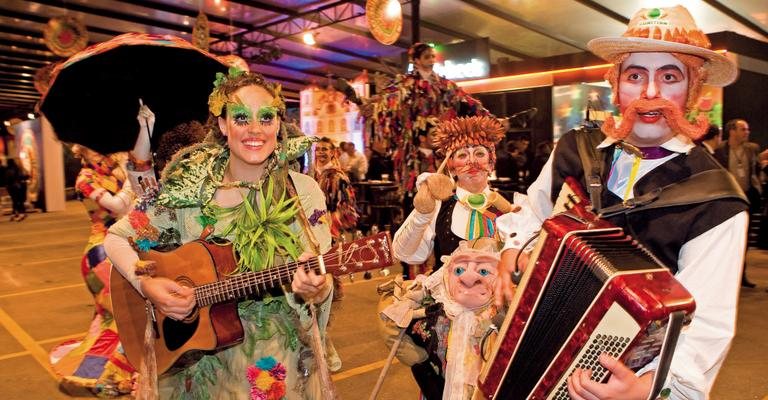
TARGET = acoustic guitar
(215,324)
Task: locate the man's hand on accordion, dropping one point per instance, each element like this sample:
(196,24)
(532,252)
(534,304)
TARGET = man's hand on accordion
(622,385)
(509,274)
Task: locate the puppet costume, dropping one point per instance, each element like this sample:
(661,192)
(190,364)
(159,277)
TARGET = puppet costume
(96,362)
(445,317)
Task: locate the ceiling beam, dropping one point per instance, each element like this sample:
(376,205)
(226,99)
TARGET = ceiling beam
(522,22)
(461,35)
(165,7)
(79,7)
(265,6)
(44,20)
(738,17)
(342,10)
(604,10)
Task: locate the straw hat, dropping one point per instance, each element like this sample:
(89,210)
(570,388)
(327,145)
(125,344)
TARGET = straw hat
(667,30)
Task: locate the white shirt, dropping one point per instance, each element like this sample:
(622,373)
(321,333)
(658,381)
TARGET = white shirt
(709,266)
(355,165)
(415,239)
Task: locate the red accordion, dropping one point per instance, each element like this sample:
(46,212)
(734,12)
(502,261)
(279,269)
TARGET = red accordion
(589,289)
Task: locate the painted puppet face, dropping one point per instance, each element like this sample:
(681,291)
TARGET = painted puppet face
(471,279)
(251,124)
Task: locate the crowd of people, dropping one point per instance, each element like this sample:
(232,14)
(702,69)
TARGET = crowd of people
(237,181)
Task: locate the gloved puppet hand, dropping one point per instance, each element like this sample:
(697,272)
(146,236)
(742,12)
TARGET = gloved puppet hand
(431,187)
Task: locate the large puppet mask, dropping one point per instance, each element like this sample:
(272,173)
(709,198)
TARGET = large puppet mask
(470,274)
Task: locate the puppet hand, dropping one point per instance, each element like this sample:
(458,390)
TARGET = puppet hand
(623,384)
(423,202)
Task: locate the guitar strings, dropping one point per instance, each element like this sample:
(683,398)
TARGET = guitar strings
(221,290)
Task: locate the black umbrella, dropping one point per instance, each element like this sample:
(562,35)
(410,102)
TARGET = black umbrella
(94,97)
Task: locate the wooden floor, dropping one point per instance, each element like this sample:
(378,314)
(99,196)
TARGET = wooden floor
(43,302)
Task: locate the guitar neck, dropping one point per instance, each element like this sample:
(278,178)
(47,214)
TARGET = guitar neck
(241,286)
(346,258)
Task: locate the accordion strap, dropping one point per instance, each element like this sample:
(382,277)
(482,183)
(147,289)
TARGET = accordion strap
(587,140)
(698,188)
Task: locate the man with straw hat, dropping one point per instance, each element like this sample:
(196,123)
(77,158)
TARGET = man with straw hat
(660,65)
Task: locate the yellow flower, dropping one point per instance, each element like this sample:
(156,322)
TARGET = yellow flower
(264,381)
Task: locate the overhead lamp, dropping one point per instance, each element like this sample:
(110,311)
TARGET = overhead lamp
(309,38)
(7,123)
(31,115)
(392,10)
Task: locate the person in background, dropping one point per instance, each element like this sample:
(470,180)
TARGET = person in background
(97,362)
(711,140)
(741,158)
(179,137)
(239,178)
(339,193)
(506,163)
(654,82)
(355,164)
(16,184)
(412,105)
(380,162)
(341,211)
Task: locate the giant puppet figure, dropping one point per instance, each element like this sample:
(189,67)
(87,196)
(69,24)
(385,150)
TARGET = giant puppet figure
(445,316)
(409,108)
(660,64)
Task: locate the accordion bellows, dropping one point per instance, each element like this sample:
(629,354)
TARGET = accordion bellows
(590,289)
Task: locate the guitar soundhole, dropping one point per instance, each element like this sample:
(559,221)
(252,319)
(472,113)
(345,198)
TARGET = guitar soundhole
(176,333)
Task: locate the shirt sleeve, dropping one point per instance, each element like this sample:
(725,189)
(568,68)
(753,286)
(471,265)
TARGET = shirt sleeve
(414,240)
(710,268)
(516,228)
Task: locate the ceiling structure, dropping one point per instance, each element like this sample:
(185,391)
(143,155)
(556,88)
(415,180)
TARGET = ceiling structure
(518,31)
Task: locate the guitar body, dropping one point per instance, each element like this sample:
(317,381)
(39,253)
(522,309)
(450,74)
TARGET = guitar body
(207,329)
(215,323)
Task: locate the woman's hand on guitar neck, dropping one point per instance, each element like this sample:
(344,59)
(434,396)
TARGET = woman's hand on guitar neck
(168,297)
(309,285)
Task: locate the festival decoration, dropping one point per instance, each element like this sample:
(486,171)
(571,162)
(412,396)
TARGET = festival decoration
(385,20)
(65,35)
(201,33)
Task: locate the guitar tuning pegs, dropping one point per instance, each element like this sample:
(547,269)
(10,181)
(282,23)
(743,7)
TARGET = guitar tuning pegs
(367,275)
(384,272)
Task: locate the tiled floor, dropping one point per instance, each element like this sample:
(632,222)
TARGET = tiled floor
(43,302)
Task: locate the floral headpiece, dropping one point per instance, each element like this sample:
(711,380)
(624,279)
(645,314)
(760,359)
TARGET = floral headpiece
(224,85)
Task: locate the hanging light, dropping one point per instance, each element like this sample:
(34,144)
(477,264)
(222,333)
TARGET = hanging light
(392,10)
(309,38)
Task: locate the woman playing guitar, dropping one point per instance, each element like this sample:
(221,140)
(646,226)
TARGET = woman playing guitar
(236,186)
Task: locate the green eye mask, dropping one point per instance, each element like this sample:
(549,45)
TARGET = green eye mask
(239,112)
(267,114)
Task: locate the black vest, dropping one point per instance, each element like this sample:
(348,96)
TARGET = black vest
(663,231)
(445,240)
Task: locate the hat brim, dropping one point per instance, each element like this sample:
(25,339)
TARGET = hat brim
(720,70)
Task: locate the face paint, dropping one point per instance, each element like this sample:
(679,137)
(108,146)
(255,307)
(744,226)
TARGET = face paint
(241,114)
(267,115)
